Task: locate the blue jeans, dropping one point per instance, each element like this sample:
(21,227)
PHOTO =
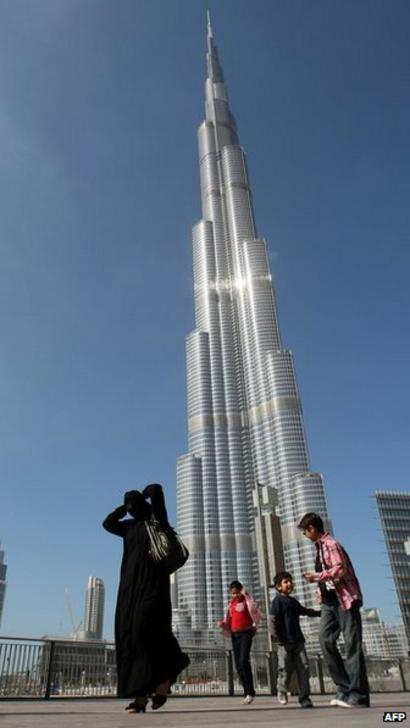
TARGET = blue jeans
(350,676)
(242,643)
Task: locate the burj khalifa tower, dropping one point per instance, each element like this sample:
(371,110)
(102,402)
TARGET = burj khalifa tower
(245,421)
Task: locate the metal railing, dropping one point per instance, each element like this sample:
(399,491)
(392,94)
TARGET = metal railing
(60,668)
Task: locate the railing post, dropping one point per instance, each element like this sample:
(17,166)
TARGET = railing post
(49,670)
(229,671)
(271,673)
(319,667)
(401,673)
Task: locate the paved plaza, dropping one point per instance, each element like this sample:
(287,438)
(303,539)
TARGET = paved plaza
(199,713)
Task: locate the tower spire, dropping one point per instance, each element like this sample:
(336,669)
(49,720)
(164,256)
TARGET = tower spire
(210,31)
(215,72)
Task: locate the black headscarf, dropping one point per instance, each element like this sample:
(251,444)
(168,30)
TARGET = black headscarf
(136,505)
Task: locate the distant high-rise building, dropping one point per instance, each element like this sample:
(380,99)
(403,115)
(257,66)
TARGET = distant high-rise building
(245,421)
(374,634)
(380,639)
(94,609)
(394,511)
(3,571)
(397,641)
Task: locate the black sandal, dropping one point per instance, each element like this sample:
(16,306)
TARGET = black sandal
(158,701)
(137,707)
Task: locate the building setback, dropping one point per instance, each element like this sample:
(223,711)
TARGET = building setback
(394,512)
(245,422)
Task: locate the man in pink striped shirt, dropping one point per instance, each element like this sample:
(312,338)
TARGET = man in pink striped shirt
(341,598)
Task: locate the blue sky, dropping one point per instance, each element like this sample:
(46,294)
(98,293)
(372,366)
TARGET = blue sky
(99,188)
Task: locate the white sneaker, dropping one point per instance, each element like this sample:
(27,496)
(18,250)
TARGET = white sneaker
(282,698)
(342,703)
(335,701)
(247,700)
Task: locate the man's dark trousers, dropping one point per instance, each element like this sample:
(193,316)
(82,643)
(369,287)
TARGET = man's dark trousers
(350,676)
(242,643)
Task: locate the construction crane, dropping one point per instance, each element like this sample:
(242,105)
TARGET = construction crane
(70,611)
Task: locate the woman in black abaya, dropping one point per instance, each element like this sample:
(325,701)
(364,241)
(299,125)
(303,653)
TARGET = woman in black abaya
(149,658)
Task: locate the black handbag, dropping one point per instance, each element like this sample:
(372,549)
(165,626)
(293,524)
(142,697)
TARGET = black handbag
(165,547)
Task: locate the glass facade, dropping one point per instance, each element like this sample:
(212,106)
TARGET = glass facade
(245,422)
(394,512)
(94,609)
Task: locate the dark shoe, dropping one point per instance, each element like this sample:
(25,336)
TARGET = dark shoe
(158,701)
(160,696)
(137,706)
(306,704)
(358,702)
